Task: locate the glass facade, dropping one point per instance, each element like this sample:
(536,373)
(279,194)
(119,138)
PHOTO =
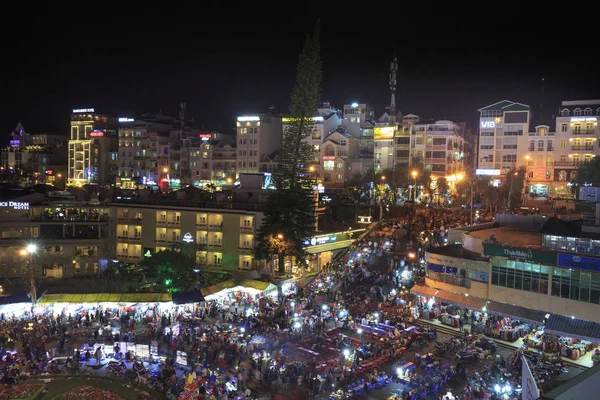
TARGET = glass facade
(572,244)
(576,285)
(520,275)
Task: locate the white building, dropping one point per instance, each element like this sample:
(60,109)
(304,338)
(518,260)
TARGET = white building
(257,135)
(576,139)
(337,154)
(356,115)
(442,148)
(139,140)
(502,136)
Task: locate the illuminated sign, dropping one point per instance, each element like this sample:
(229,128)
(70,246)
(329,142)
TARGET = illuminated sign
(364,219)
(82,110)
(322,240)
(249,118)
(354,105)
(15,143)
(489,123)
(487,172)
(96,134)
(126,119)
(292,119)
(383,133)
(205,136)
(15,205)
(584,119)
(188,238)
(328,158)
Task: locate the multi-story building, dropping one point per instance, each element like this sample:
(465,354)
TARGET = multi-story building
(539,160)
(70,238)
(383,136)
(502,136)
(355,116)
(212,158)
(139,140)
(548,276)
(442,149)
(223,237)
(259,135)
(337,153)
(93,137)
(576,140)
(33,158)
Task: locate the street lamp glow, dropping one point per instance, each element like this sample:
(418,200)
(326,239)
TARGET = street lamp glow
(359,331)
(346,353)
(31,248)
(23,252)
(280,236)
(459,176)
(414,174)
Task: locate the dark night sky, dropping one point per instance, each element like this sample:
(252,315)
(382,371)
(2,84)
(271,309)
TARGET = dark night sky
(132,63)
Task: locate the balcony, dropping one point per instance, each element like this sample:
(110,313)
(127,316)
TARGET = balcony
(567,163)
(201,224)
(161,222)
(583,147)
(246,228)
(583,132)
(245,250)
(216,225)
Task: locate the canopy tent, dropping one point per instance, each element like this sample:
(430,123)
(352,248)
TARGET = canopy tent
(267,288)
(216,288)
(187,297)
(106,298)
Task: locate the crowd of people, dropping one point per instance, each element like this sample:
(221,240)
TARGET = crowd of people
(320,339)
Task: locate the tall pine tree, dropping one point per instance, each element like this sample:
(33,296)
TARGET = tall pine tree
(289,218)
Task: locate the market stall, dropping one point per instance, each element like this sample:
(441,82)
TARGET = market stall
(15,306)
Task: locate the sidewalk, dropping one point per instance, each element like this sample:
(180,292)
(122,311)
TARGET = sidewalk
(582,362)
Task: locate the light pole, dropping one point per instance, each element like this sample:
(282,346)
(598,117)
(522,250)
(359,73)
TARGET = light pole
(381,193)
(279,240)
(29,251)
(414,175)
(512,180)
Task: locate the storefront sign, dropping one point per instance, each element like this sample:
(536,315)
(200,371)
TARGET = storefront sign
(188,238)
(96,134)
(578,262)
(15,205)
(15,143)
(364,219)
(83,110)
(583,119)
(487,172)
(543,257)
(328,158)
(589,193)
(321,240)
(489,123)
(205,136)
(383,133)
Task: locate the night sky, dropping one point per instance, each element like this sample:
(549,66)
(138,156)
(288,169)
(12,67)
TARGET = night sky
(126,64)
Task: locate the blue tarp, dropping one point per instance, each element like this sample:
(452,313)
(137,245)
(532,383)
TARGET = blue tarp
(18,298)
(187,297)
(575,327)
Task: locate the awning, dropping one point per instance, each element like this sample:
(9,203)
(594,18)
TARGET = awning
(516,312)
(578,328)
(207,291)
(105,298)
(464,300)
(258,285)
(18,298)
(187,297)
(320,248)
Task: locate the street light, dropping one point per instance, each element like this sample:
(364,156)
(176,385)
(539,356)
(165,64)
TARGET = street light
(381,193)
(512,180)
(29,250)
(414,175)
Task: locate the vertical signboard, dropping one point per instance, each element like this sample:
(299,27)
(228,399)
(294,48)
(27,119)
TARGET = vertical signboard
(529,388)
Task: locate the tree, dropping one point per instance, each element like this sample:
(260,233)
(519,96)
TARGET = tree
(588,173)
(442,187)
(173,268)
(513,188)
(289,218)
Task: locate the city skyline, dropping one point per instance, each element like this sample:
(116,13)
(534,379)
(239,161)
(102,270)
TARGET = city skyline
(237,70)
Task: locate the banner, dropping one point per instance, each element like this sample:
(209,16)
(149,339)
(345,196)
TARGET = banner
(529,388)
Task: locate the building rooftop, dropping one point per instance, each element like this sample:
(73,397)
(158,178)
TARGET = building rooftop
(506,105)
(456,251)
(512,236)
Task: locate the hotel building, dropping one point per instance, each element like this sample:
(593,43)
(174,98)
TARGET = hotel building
(257,136)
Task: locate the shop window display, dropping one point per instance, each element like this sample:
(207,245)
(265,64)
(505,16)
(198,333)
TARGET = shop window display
(520,275)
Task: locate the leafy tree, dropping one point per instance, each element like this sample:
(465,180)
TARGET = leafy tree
(442,187)
(588,172)
(513,188)
(173,268)
(290,218)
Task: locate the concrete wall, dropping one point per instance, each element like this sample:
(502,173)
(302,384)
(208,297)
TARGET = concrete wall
(457,262)
(523,222)
(545,302)
(456,235)
(477,289)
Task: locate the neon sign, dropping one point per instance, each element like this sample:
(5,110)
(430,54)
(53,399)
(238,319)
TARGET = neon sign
(188,238)
(15,205)
(205,136)
(248,118)
(96,134)
(328,158)
(15,143)
(82,110)
(126,119)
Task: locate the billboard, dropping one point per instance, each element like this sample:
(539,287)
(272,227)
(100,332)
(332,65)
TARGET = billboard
(487,171)
(383,133)
(589,193)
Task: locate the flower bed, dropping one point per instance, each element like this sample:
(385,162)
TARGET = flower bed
(20,392)
(89,393)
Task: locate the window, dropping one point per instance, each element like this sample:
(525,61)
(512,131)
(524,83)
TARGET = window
(563,143)
(342,142)
(563,127)
(577,111)
(564,112)
(562,175)
(576,285)
(509,158)
(520,275)
(587,111)
(328,165)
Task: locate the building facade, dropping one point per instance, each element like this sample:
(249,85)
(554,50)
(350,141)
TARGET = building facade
(503,139)
(71,238)
(259,135)
(576,141)
(92,137)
